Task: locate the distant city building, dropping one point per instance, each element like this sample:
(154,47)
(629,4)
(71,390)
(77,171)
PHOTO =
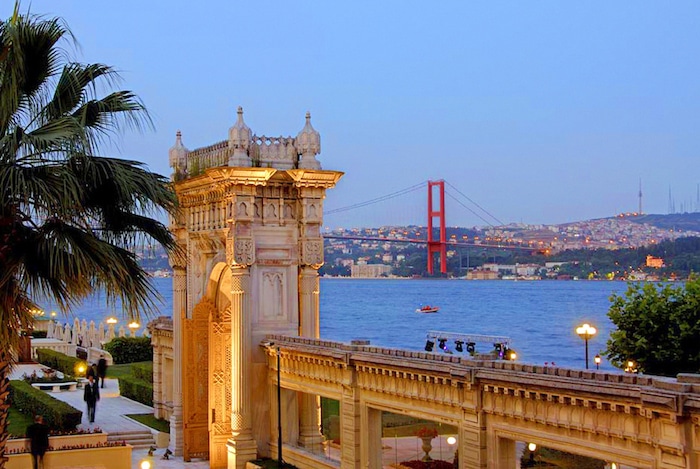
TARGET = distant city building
(480,274)
(655,262)
(370,270)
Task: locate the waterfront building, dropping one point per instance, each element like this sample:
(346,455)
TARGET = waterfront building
(370,270)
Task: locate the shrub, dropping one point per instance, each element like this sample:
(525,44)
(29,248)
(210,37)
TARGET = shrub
(130,349)
(136,389)
(143,371)
(59,361)
(57,414)
(39,334)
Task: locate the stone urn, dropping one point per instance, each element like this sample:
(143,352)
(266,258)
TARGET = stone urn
(426,447)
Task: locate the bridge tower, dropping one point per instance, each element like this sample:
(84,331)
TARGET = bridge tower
(250,242)
(437,246)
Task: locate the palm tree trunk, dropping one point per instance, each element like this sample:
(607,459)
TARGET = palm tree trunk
(5,366)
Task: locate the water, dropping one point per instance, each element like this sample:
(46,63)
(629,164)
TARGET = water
(540,316)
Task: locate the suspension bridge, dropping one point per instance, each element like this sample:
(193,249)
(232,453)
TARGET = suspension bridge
(436,232)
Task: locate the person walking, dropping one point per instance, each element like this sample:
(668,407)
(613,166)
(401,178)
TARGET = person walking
(101,370)
(38,434)
(91,395)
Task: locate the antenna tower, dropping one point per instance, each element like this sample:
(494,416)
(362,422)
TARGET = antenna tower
(640,196)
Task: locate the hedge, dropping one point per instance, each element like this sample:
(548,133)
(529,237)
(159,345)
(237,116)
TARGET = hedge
(136,389)
(143,371)
(130,349)
(59,361)
(57,414)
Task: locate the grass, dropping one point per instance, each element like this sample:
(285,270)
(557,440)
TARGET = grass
(18,423)
(119,371)
(149,420)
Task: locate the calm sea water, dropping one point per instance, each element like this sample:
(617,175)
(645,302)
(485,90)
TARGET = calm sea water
(539,316)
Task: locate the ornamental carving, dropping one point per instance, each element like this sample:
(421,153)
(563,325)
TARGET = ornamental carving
(312,252)
(244,251)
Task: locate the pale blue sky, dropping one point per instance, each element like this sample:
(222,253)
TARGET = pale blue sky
(542,112)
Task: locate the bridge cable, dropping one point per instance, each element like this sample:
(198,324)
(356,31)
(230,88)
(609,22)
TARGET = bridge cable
(468,208)
(378,199)
(480,207)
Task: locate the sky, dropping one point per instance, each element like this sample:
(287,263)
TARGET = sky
(539,111)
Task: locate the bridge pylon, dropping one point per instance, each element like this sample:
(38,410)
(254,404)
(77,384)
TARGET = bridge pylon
(437,246)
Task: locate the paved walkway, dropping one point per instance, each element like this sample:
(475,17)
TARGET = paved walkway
(111,409)
(109,416)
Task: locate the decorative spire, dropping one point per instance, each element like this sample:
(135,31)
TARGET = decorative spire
(308,143)
(177,156)
(239,137)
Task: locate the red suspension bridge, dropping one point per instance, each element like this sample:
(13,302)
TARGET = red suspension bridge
(436,239)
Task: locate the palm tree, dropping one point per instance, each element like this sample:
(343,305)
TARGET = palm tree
(69,218)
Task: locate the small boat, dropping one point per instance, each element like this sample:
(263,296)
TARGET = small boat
(428,309)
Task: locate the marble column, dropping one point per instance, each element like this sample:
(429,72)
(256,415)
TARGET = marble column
(310,436)
(241,446)
(179,312)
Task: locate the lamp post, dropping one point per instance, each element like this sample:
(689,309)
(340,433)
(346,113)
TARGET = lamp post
(586,332)
(596,360)
(133,327)
(532,447)
(111,321)
(280,462)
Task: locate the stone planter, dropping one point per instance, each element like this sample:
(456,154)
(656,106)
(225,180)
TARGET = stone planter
(22,444)
(426,447)
(111,457)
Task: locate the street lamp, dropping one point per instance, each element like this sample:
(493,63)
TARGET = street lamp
(133,327)
(532,447)
(586,332)
(596,360)
(280,461)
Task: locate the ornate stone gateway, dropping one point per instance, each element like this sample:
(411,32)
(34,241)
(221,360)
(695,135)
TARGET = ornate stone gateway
(251,245)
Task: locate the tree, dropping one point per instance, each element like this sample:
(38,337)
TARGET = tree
(658,327)
(69,218)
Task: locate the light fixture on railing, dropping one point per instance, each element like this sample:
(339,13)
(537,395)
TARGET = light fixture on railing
(133,327)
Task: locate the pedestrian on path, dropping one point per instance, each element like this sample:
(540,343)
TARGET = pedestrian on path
(91,396)
(38,434)
(101,370)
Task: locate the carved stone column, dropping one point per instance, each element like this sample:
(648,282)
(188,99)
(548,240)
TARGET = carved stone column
(179,312)
(241,446)
(310,436)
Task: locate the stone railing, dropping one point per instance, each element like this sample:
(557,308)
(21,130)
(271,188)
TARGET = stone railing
(274,152)
(211,156)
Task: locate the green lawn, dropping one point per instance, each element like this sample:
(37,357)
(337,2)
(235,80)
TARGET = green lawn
(149,420)
(18,422)
(119,371)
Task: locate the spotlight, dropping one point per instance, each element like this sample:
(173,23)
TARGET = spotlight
(471,347)
(498,347)
(429,345)
(151,450)
(167,454)
(442,344)
(458,345)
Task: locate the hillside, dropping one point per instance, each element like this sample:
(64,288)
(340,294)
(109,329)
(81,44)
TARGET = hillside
(672,221)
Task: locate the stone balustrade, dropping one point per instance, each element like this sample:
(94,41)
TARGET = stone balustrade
(634,420)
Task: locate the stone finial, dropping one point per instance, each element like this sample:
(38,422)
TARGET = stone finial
(308,143)
(177,155)
(239,138)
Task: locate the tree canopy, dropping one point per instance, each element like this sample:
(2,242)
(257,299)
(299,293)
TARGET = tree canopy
(658,327)
(70,217)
